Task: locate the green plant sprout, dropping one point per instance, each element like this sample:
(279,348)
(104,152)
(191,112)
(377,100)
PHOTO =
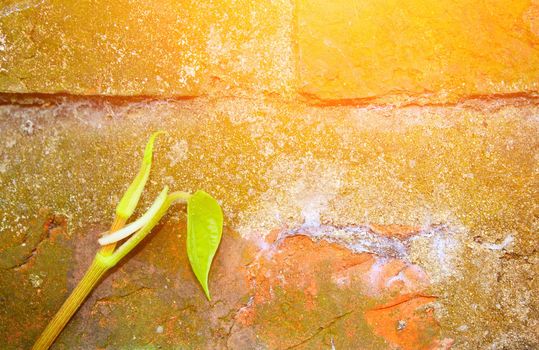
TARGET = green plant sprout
(204,231)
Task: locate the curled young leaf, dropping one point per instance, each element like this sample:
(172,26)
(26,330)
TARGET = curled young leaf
(126,231)
(204,231)
(162,203)
(130,199)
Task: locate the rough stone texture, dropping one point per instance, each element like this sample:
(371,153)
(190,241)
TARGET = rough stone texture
(323,295)
(421,51)
(376,161)
(416,51)
(167,48)
(348,227)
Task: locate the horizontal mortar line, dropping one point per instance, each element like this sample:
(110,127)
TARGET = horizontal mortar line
(301,99)
(314,100)
(8,98)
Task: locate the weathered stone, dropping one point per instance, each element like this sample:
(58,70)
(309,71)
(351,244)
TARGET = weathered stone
(34,284)
(422,51)
(452,186)
(314,295)
(346,227)
(165,48)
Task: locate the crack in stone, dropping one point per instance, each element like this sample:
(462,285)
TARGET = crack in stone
(50,224)
(403,300)
(26,259)
(229,331)
(320,329)
(114,298)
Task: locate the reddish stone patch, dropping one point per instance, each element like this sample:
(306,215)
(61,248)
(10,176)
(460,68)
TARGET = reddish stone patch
(55,226)
(406,322)
(297,264)
(383,276)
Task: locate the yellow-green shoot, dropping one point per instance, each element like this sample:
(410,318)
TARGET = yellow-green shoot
(204,231)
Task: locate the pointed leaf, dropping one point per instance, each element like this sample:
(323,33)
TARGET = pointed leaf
(204,231)
(130,199)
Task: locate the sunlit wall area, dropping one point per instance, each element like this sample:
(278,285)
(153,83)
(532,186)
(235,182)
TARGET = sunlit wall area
(376,162)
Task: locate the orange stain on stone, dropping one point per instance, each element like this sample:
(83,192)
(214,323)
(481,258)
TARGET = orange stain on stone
(406,322)
(297,263)
(383,276)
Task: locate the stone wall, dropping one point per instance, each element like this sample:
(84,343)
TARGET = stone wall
(376,161)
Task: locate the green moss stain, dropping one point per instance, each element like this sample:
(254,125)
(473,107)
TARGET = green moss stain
(335,317)
(35,287)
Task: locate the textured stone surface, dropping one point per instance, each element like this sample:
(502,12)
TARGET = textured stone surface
(322,295)
(428,212)
(376,161)
(166,48)
(421,51)
(416,51)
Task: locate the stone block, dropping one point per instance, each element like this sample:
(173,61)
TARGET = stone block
(165,48)
(424,51)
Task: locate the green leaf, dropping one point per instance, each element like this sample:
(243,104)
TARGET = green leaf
(204,231)
(130,199)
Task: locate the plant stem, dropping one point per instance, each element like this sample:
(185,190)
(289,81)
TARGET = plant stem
(81,291)
(73,302)
(118,223)
(105,258)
